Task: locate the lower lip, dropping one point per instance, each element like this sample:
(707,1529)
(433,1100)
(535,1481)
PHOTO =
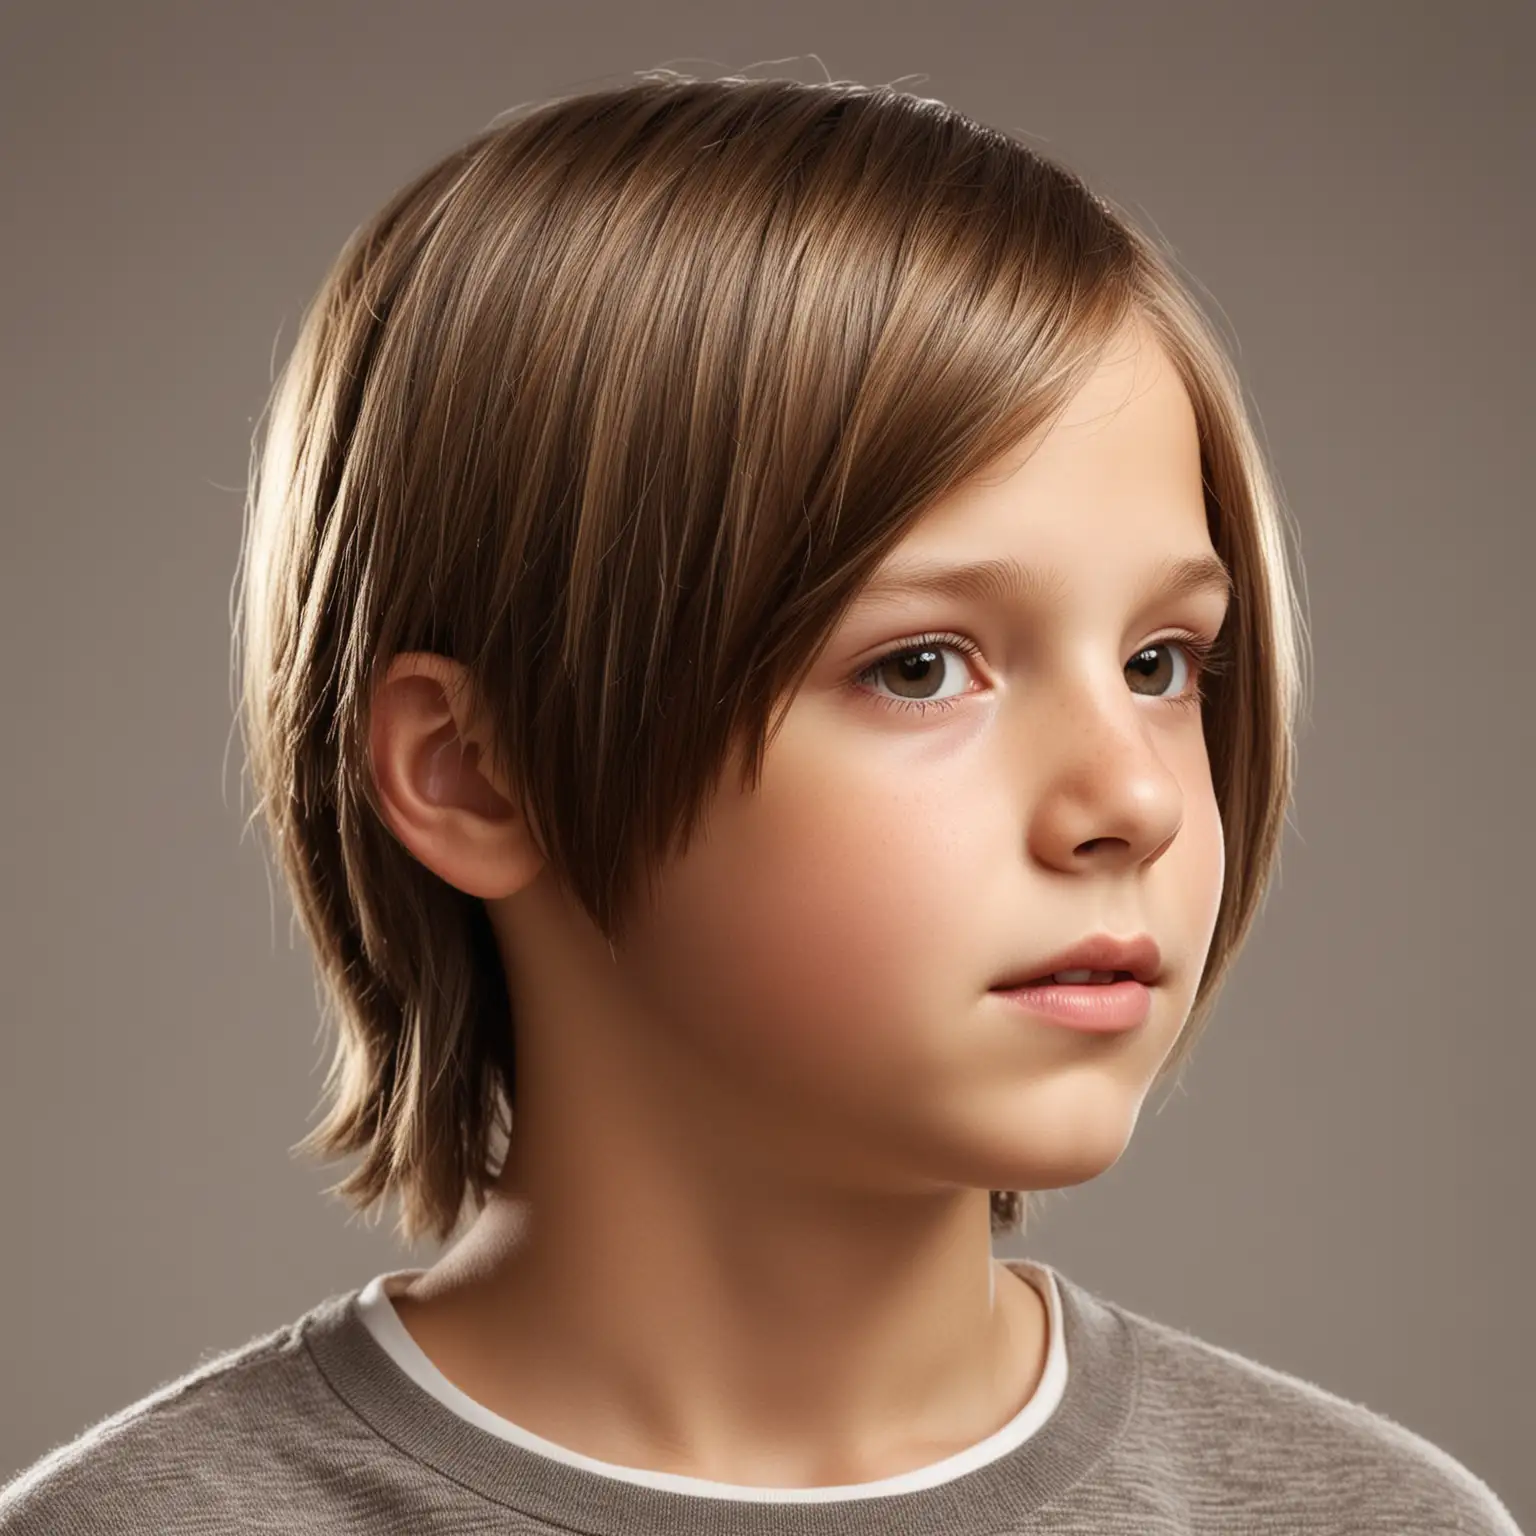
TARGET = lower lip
(1103,1008)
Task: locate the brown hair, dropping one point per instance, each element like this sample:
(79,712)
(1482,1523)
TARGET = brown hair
(618,405)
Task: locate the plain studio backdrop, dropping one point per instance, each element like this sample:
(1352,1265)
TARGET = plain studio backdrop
(1343,1187)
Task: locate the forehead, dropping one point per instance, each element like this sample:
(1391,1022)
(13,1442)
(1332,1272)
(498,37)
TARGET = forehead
(1114,481)
(1130,423)
(1006,579)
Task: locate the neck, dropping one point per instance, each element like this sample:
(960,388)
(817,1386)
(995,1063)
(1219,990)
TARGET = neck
(796,1348)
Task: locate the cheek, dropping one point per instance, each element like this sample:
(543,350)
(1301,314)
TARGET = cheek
(819,918)
(1193,872)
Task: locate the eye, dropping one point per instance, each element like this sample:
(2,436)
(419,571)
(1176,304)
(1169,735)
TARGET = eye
(1172,668)
(1155,663)
(918,665)
(1152,663)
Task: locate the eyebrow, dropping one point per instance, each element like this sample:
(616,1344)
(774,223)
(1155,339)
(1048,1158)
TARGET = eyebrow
(1007,579)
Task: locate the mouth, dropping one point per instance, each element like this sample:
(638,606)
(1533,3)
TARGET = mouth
(1100,960)
(1080,978)
(1100,1002)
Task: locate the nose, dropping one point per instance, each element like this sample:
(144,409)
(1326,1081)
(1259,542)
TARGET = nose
(1109,793)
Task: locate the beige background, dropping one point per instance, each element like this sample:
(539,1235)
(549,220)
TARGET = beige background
(1343,1191)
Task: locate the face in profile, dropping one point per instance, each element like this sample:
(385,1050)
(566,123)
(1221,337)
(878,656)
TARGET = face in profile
(963,788)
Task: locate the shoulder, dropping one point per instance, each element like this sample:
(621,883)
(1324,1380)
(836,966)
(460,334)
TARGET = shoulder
(196,1454)
(1277,1437)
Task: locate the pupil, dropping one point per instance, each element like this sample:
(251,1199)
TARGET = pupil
(913,664)
(1148,661)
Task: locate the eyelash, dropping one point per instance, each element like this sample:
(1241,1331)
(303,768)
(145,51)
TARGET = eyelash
(1209,658)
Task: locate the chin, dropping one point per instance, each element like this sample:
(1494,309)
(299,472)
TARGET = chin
(1071,1166)
(1077,1136)
(1030,1155)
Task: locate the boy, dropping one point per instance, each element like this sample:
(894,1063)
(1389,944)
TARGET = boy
(771,669)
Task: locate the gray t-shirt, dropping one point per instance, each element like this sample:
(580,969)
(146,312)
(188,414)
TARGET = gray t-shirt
(338,1424)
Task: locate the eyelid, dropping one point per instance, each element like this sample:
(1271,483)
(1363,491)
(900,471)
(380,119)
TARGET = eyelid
(1215,644)
(916,642)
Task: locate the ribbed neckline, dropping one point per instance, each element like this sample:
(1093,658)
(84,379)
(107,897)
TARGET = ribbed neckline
(1079,1409)
(378,1311)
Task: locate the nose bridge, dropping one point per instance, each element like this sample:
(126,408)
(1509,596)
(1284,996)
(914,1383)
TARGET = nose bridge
(1106,777)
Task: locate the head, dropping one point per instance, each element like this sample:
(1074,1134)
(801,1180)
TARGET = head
(568,624)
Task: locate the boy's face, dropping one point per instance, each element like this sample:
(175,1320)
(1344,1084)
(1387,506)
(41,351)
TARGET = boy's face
(812,980)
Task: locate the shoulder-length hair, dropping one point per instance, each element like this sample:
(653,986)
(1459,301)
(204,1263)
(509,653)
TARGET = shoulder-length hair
(618,405)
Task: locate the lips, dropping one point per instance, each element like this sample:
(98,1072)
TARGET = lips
(1136,958)
(1081,978)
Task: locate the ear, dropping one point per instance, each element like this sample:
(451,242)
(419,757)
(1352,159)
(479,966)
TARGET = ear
(439,792)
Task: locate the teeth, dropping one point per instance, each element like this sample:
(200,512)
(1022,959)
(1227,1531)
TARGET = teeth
(1076,978)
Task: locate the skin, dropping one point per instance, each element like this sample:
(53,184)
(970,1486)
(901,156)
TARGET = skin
(744,1231)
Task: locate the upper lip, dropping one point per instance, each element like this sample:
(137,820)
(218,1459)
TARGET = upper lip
(1102,952)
